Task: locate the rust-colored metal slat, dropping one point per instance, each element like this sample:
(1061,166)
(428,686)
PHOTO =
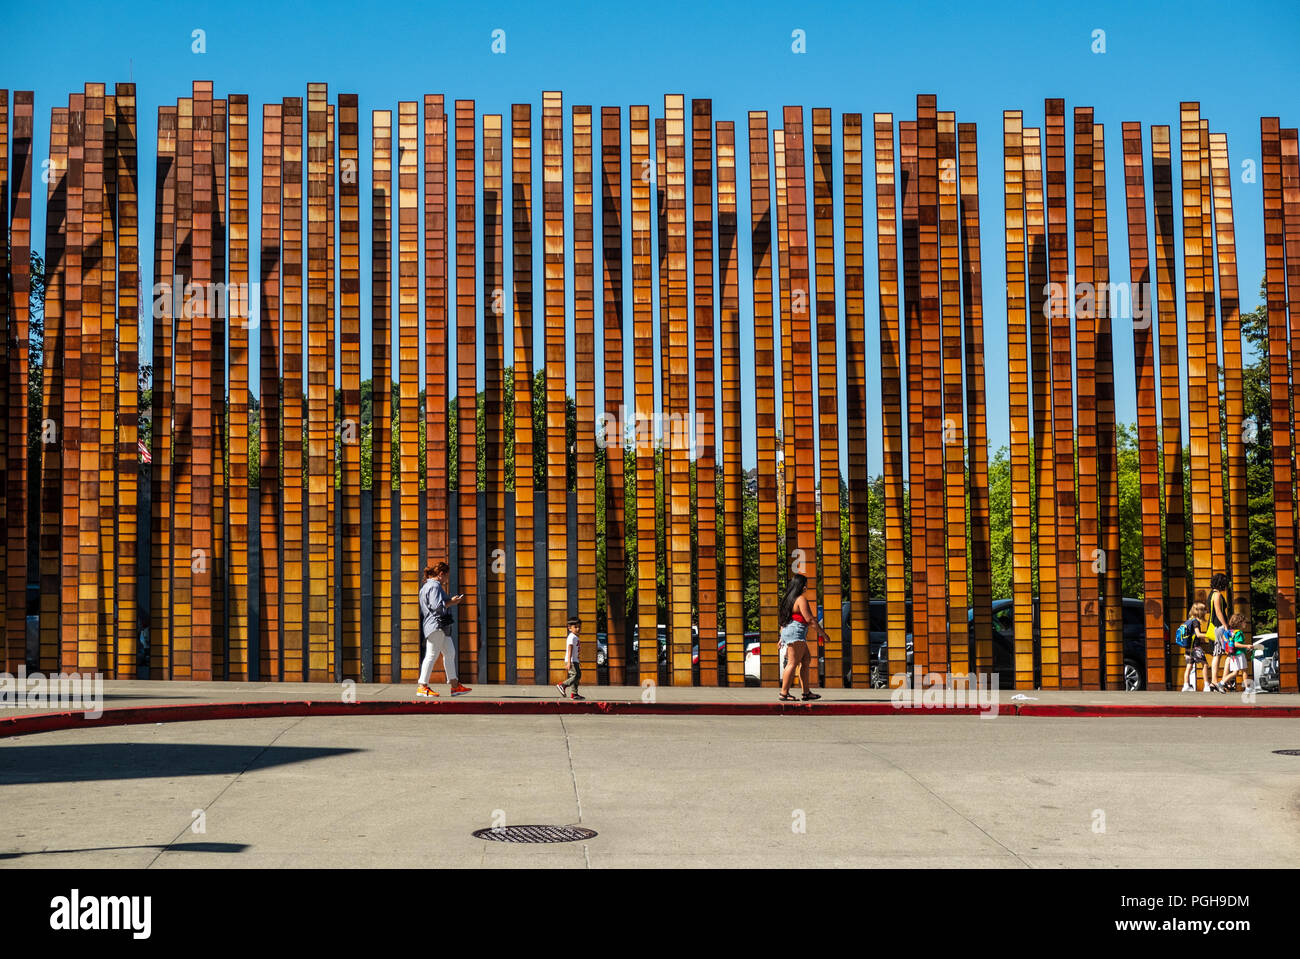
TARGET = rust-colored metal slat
(1234,406)
(981,574)
(1148,401)
(16,419)
(270,386)
(827,392)
(765,411)
(857,669)
(51,449)
(706,487)
(1085,329)
(349,505)
(1166,318)
(405,613)
(732,500)
(954,419)
(492,665)
(1281,181)
(521,240)
(294,646)
(1019,397)
(891,402)
(615,400)
(468,650)
(584,371)
(381,291)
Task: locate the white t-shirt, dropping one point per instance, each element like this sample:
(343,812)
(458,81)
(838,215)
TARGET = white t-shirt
(572,641)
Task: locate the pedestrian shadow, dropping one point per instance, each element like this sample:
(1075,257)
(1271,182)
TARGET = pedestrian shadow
(94,762)
(218,847)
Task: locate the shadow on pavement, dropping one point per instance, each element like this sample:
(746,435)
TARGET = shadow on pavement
(224,847)
(90,762)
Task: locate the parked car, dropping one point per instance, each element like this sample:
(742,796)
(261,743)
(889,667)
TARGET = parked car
(1134,645)
(1267,674)
(1135,649)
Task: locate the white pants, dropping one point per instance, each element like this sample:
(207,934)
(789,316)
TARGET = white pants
(435,643)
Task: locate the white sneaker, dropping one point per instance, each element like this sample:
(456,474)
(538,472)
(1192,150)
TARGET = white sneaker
(1187,688)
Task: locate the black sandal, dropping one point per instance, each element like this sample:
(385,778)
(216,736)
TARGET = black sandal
(808,696)
(786,698)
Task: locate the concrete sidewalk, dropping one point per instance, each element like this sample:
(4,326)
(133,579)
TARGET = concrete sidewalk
(127,693)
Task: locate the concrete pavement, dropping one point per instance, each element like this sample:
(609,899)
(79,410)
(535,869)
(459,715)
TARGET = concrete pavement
(659,791)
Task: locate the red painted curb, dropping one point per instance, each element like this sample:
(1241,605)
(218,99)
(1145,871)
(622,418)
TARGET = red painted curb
(179,713)
(1157,711)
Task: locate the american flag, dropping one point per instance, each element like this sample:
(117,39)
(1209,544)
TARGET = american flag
(145,456)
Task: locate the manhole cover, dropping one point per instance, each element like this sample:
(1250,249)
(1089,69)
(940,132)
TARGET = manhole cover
(1287,752)
(535,833)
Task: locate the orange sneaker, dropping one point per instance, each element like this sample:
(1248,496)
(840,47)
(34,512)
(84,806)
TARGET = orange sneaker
(425,691)
(459,689)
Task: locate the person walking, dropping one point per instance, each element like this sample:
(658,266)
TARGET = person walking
(796,616)
(1218,603)
(436,618)
(571,660)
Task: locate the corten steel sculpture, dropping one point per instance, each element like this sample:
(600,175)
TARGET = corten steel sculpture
(617,645)
(954,433)
(765,414)
(527,670)
(550,645)
(320,399)
(643,538)
(909,232)
(1230,309)
(491,666)
(858,478)
(237,323)
(1281,184)
(349,501)
(707,593)
(584,363)
(51,476)
(16,195)
(1084,300)
(891,397)
(385,664)
(86,483)
(732,499)
(436,263)
(1148,426)
(829,596)
(1016,219)
(676,405)
(469,636)
(1166,319)
(270,443)
(1108,440)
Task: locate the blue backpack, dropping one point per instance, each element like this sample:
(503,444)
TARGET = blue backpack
(1186,632)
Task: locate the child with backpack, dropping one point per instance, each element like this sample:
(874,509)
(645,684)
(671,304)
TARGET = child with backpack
(1190,635)
(1238,650)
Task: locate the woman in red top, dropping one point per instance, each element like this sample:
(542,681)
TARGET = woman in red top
(796,616)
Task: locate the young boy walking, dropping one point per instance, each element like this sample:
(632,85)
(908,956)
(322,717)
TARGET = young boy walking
(572,661)
(1238,649)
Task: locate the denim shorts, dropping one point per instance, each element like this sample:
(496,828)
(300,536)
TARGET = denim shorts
(793,632)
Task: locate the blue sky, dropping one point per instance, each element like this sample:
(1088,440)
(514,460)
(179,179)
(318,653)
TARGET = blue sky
(1238,60)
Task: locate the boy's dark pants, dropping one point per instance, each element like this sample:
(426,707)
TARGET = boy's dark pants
(575,675)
